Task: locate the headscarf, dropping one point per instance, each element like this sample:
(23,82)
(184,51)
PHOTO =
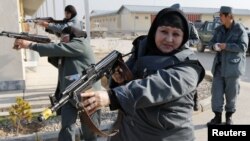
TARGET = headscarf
(70,9)
(167,17)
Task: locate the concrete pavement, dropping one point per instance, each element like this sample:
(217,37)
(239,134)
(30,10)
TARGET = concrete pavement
(241,116)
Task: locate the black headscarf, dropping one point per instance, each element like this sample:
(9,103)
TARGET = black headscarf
(71,9)
(167,17)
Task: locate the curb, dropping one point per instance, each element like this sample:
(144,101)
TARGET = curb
(40,136)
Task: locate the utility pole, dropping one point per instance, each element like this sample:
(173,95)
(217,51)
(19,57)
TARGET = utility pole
(64,3)
(87,19)
(54,8)
(47,8)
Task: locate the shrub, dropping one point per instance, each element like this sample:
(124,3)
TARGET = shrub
(20,114)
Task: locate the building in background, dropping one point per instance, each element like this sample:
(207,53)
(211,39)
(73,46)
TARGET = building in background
(136,19)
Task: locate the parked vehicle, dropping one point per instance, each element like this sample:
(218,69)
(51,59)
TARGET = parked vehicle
(206,33)
(198,24)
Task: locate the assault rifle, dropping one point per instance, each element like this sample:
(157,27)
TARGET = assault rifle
(90,76)
(26,36)
(47,19)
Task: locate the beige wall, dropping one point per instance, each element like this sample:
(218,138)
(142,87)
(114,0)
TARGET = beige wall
(110,22)
(142,23)
(134,22)
(126,22)
(11,61)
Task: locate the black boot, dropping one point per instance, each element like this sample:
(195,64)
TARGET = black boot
(216,119)
(229,120)
(196,102)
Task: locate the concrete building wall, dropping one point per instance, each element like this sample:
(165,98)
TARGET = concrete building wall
(11,61)
(130,22)
(141,22)
(126,21)
(134,22)
(110,22)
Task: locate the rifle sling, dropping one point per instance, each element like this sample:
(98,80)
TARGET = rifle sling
(86,119)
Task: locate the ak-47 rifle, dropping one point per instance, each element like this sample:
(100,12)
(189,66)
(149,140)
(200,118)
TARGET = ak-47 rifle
(26,36)
(47,19)
(90,76)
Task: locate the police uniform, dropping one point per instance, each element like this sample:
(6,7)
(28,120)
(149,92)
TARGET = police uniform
(70,59)
(158,103)
(229,64)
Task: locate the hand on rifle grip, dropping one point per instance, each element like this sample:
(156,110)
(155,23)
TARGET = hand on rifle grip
(122,73)
(118,75)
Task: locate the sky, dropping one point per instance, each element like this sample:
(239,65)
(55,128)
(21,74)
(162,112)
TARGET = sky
(116,4)
(105,4)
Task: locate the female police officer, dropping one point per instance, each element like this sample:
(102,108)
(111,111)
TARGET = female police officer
(158,103)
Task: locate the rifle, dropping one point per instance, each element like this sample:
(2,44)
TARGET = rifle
(91,75)
(26,36)
(47,19)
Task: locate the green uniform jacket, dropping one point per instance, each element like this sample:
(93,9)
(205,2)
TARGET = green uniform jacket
(70,58)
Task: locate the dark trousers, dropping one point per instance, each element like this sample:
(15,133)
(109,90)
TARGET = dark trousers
(224,85)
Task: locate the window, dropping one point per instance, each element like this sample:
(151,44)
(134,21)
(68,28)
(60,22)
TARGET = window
(216,25)
(136,17)
(209,26)
(146,17)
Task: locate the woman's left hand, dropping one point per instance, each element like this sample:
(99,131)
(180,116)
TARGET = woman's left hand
(93,101)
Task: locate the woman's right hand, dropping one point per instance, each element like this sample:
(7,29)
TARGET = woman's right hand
(118,75)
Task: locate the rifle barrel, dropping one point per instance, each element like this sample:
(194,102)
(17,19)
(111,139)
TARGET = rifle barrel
(26,36)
